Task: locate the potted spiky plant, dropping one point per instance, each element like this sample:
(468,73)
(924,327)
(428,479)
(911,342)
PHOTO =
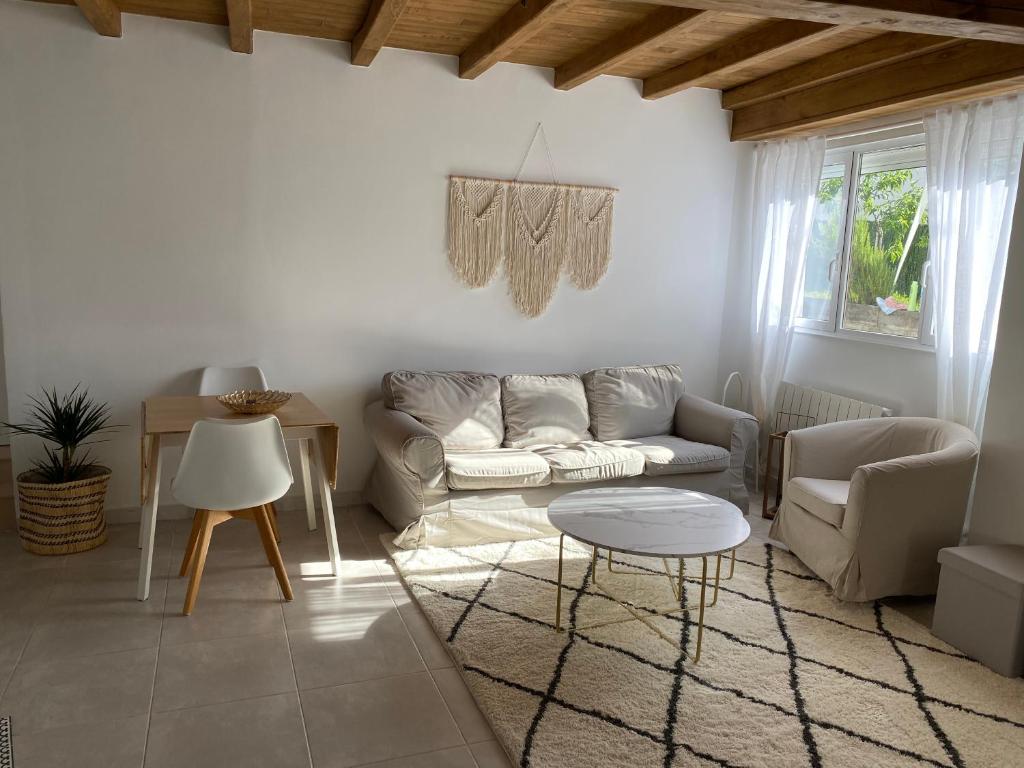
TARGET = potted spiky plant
(61,498)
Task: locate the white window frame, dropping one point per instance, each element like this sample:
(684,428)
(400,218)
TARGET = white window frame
(836,269)
(848,152)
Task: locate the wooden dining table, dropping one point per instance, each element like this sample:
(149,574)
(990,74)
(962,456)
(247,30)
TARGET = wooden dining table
(167,421)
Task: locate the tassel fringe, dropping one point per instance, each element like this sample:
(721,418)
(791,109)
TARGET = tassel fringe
(476,230)
(536,230)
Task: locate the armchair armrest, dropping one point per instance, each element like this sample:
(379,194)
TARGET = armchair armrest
(703,421)
(407,445)
(901,512)
(936,485)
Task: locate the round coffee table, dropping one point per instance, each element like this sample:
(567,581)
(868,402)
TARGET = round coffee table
(666,523)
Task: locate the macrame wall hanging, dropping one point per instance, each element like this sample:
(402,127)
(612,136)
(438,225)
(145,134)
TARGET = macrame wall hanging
(538,231)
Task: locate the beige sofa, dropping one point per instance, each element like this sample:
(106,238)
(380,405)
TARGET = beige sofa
(471,457)
(867,505)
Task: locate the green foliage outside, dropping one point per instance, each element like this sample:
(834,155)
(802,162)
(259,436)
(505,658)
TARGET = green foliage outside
(886,204)
(829,190)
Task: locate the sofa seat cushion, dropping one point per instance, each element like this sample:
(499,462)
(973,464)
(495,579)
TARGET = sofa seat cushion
(633,401)
(496,468)
(591,461)
(825,499)
(544,409)
(462,409)
(668,455)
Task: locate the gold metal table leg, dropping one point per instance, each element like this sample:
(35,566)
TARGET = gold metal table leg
(558,593)
(700,615)
(679,586)
(676,585)
(676,581)
(718,576)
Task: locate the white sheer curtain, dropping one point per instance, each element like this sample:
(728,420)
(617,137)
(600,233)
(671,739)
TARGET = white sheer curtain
(974,155)
(786,177)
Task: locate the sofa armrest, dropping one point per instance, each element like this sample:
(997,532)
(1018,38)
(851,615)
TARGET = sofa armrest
(703,421)
(407,446)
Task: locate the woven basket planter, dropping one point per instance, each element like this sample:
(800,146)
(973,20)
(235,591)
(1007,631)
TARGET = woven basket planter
(61,518)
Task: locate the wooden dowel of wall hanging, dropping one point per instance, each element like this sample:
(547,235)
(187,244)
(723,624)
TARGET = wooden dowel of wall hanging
(532,183)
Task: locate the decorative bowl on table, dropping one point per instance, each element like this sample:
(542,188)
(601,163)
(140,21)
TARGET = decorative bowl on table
(253,402)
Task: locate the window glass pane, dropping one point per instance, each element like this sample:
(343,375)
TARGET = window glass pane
(824,246)
(888,244)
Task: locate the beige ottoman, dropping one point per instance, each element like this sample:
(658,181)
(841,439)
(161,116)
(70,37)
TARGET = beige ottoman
(979,607)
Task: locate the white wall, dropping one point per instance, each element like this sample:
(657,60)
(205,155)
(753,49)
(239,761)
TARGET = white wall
(902,379)
(998,513)
(168,204)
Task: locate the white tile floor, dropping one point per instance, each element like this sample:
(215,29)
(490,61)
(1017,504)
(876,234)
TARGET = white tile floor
(348,674)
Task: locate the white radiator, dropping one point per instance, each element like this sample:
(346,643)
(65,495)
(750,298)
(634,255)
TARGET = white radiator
(798,407)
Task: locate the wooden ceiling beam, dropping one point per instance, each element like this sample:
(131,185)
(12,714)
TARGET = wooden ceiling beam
(103,15)
(648,33)
(763,43)
(862,57)
(240,25)
(373,35)
(969,69)
(522,21)
(946,18)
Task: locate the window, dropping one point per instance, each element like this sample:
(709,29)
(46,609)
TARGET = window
(867,260)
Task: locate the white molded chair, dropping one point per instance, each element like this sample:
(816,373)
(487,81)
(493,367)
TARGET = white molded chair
(231,468)
(218,380)
(221,380)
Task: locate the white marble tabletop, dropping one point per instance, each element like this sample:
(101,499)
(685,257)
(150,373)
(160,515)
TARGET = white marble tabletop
(653,522)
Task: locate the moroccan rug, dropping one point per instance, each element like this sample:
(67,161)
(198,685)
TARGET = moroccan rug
(6,744)
(789,676)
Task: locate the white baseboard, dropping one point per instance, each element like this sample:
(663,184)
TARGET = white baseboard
(290,503)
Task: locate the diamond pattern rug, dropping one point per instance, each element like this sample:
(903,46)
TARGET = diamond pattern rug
(6,744)
(789,676)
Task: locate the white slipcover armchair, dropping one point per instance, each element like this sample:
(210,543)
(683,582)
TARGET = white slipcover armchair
(867,505)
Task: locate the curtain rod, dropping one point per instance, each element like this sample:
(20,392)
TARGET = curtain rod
(878,129)
(532,183)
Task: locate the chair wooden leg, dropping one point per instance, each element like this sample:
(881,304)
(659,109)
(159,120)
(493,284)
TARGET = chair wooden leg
(190,548)
(202,546)
(273,522)
(273,553)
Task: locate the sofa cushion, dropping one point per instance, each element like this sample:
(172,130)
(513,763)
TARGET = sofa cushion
(667,455)
(544,409)
(463,409)
(590,461)
(633,401)
(495,468)
(825,499)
